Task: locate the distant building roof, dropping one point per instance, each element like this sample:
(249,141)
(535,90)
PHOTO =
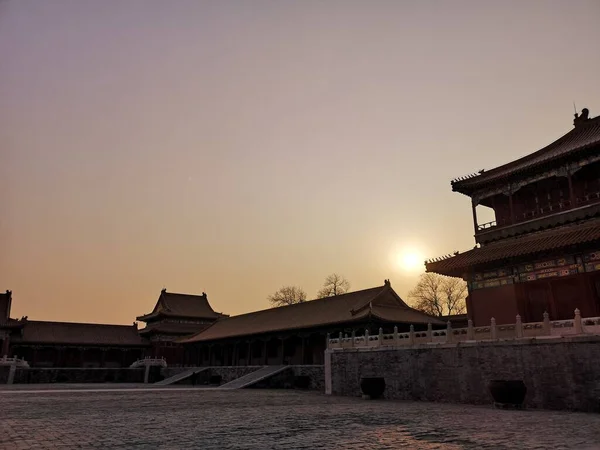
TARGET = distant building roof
(527,244)
(379,302)
(72,333)
(5,300)
(181,329)
(170,304)
(586,134)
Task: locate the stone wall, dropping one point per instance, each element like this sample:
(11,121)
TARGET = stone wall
(560,373)
(73,375)
(316,374)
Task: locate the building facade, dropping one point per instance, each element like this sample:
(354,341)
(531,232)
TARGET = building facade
(73,344)
(542,251)
(175,316)
(297,334)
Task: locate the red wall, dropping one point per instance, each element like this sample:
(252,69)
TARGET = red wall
(498,302)
(558,296)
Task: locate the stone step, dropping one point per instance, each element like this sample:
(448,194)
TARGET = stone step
(181,376)
(254,377)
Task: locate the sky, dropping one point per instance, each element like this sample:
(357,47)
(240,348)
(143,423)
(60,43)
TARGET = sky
(235,147)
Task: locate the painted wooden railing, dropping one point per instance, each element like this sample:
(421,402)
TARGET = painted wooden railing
(492,332)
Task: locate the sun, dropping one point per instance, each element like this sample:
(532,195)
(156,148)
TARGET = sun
(409,260)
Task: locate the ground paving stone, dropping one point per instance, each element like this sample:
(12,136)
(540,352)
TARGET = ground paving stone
(268,419)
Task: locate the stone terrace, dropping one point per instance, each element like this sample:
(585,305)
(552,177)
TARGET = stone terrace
(265,419)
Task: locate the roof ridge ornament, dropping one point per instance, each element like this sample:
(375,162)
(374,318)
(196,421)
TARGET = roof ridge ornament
(581,119)
(467,177)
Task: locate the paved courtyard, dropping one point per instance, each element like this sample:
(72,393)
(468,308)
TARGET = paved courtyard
(264,419)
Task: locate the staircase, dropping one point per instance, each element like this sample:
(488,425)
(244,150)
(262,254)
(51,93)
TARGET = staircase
(254,377)
(180,376)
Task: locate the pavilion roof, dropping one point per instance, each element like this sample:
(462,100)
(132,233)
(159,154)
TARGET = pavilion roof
(170,304)
(524,245)
(380,302)
(74,333)
(582,137)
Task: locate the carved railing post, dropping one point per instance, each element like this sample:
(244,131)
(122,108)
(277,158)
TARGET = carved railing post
(546,324)
(411,335)
(493,328)
(448,332)
(328,344)
(340,341)
(470,331)
(380,336)
(366,338)
(429,332)
(353,337)
(577,322)
(518,327)
(396,343)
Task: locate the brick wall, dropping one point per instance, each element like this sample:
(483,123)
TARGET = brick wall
(560,373)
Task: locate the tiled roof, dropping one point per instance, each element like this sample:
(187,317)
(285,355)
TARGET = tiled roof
(579,138)
(528,244)
(170,304)
(72,333)
(181,329)
(381,302)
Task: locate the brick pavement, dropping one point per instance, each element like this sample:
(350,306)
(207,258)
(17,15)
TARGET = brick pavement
(267,419)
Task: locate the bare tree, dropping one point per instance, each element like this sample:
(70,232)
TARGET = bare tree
(439,295)
(334,285)
(287,295)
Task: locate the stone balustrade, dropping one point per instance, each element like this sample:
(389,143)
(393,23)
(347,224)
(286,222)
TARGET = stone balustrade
(14,361)
(518,330)
(149,361)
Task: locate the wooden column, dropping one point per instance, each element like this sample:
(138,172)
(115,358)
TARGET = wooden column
(302,350)
(473,207)
(571,191)
(5,344)
(266,353)
(249,357)
(512,212)
(282,350)
(210,354)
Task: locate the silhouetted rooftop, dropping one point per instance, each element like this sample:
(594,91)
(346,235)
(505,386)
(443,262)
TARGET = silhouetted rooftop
(379,302)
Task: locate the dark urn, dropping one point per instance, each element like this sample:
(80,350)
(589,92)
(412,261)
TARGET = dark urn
(373,387)
(508,393)
(302,382)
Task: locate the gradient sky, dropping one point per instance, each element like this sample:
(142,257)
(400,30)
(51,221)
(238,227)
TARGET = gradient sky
(234,147)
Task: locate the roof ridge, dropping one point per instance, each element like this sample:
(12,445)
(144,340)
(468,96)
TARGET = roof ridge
(331,297)
(78,323)
(203,295)
(578,130)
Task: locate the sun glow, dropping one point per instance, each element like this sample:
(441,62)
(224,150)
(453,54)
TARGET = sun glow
(408,260)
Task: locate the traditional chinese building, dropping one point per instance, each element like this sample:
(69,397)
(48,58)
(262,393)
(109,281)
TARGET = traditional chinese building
(68,344)
(542,251)
(173,317)
(296,334)
(72,344)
